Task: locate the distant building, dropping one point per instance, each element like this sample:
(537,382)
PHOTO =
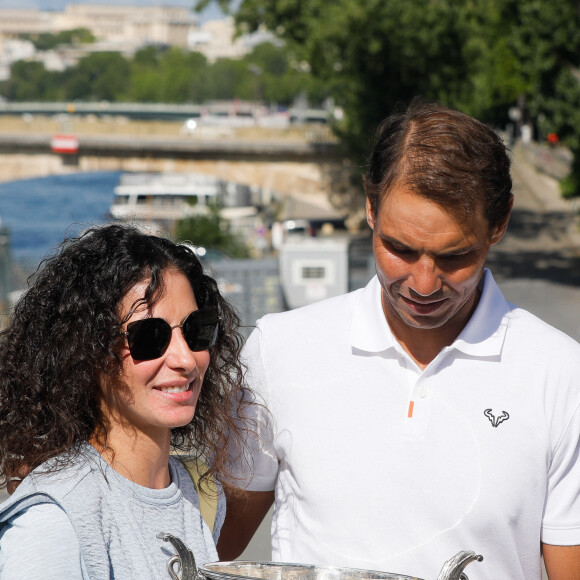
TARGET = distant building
(114,25)
(216,39)
(130,25)
(14,22)
(55,60)
(12,50)
(124,29)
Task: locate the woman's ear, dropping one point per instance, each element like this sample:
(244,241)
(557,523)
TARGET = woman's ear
(14,481)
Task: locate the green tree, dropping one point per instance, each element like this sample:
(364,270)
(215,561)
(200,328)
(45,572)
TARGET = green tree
(276,77)
(48,40)
(30,81)
(226,80)
(373,54)
(495,78)
(211,230)
(161,74)
(479,56)
(547,43)
(99,76)
(271,59)
(80,36)
(168,75)
(148,57)
(146,86)
(183,75)
(146,83)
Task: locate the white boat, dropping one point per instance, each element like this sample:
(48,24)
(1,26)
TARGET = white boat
(163,196)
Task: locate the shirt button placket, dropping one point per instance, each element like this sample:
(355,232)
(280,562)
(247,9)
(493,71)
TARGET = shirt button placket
(419,407)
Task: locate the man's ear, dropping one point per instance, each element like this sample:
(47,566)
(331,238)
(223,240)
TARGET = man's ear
(370,217)
(500,228)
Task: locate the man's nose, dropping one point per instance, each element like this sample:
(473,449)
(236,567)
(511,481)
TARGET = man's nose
(425,277)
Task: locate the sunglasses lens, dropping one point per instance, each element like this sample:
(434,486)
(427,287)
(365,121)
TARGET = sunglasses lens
(200,329)
(148,338)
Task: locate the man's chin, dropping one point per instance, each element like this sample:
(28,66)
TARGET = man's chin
(421,321)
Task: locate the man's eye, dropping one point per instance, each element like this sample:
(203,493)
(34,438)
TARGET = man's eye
(455,257)
(401,251)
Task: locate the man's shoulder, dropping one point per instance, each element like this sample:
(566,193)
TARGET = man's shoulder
(325,311)
(304,330)
(523,327)
(537,336)
(524,321)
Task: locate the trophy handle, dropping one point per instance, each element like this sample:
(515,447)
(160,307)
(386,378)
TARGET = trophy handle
(184,557)
(453,568)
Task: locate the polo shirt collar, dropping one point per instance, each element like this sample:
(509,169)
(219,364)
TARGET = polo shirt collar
(370,331)
(485,332)
(483,336)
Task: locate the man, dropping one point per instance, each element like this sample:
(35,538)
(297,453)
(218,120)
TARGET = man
(423,414)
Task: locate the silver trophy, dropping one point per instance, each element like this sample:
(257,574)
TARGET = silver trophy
(182,566)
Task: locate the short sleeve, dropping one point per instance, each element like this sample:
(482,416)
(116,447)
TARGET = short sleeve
(255,465)
(40,542)
(561,522)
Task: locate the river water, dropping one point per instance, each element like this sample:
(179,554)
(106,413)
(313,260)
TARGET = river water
(39,213)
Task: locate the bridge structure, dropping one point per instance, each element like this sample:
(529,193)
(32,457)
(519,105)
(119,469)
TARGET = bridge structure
(281,167)
(149,111)
(297,173)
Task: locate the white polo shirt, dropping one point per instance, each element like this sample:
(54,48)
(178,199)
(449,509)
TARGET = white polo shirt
(377,464)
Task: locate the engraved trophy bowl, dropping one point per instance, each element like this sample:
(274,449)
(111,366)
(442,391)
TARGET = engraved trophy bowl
(182,567)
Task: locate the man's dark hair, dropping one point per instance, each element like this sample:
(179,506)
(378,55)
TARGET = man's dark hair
(444,155)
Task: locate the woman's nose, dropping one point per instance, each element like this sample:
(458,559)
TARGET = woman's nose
(178,353)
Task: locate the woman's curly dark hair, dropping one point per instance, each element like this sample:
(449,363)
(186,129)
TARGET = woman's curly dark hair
(65,336)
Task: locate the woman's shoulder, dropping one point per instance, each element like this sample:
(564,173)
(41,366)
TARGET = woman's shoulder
(211,501)
(45,531)
(49,483)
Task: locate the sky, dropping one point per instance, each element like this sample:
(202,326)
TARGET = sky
(211,13)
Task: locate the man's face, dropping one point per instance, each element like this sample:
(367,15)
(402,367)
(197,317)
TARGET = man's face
(428,261)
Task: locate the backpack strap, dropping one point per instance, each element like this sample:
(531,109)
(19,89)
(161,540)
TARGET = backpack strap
(207,501)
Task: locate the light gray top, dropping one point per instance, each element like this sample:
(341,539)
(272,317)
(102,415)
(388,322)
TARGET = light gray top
(87,521)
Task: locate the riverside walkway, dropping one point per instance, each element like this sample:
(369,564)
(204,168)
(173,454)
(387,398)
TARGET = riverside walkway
(537,264)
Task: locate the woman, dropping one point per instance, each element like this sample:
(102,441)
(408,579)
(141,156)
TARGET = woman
(121,350)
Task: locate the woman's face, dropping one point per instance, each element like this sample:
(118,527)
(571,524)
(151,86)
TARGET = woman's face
(162,393)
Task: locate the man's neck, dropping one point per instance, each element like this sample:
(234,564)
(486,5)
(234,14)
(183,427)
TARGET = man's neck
(424,344)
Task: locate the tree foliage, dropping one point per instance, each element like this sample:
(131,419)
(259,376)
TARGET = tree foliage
(170,75)
(48,40)
(377,54)
(480,56)
(98,76)
(28,80)
(547,44)
(211,230)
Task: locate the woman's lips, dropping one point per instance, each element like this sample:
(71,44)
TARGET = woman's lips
(179,393)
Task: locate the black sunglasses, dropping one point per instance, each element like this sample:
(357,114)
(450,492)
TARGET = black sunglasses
(149,338)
